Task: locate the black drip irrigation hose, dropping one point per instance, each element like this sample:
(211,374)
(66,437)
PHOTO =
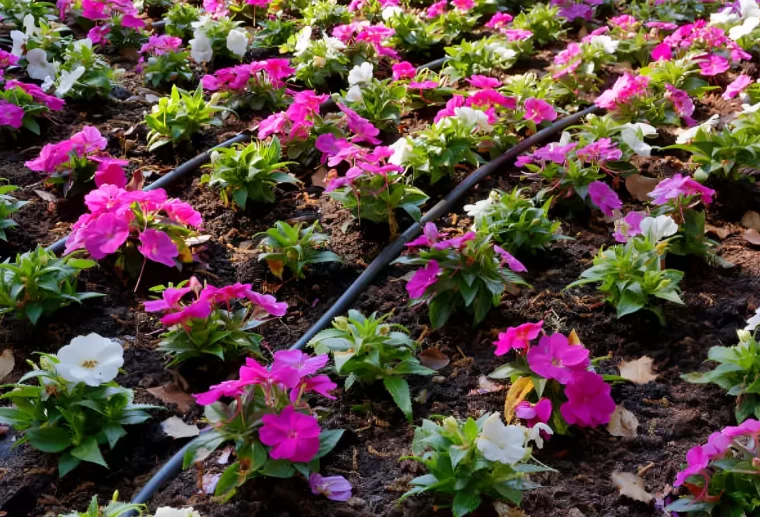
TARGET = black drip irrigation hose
(172,467)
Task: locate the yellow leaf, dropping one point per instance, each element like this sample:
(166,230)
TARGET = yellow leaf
(516,394)
(276,267)
(573,338)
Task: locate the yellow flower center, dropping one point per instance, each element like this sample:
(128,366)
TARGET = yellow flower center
(90,364)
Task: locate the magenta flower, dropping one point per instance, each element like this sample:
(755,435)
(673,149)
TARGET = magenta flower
(254,373)
(11,115)
(436,9)
(110,171)
(98,34)
(403,70)
(671,188)
(199,309)
(52,156)
(714,65)
(225,389)
(540,412)
(555,358)
(737,86)
(7,59)
(170,299)
(157,246)
(105,235)
(456,243)
(589,402)
(662,52)
(51,101)
(682,103)
(318,384)
(604,197)
(482,81)
(696,462)
(628,226)
(517,338)
(554,152)
(624,21)
(623,91)
(269,303)
(362,128)
(602,150)
(302,363)
(463,5)
(489,98)
(424,85)
(335,488)
(88,140)
(499,20)
(516,34)
(273,124)
(750,427)
(422,279)
(538,110)
(430,235)
(717,445)
(293,436)
(507,258)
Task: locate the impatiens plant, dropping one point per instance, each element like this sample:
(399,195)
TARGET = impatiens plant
(217,37)
(557,375)
(9,205)
(21,104)
(631,274)
(516,221)
(380,102)
(482,56)
(366,349)
(75,407)
(136,226)
(248,173)
(467,271)
(317,60)
(472,460)
(164,62)
(180,116)
(179,20)
(218,321)
(294,248)
(253,86)
(721,474)
(541,20)
(84,74)
(274,430)
(38,283)
(113,509)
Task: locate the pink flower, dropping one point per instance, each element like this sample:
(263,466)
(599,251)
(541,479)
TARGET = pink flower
(628,226)
(668,26)
(302,363)
(737,86)
(293,436)
(682,103)
(277,70)
(225,389)
(482,81)
(318,384)
(463,5)
(436,9)
(488,98)
(199,309)
(662,52)
(268,302)
(696,461)
(456,243)
(499,20)
(624,21)
(589,402)
(604,197)
(98,34)
(517,338)
(422,279)
(538,110)
(170,299)
(717,445)
(11,115)
(516,34)
(362,128)
(52,156)
(750,427)
(555,358)
(157,246)
(554,152)
(105,235)
(254,373)
(271,125)
(183,213)
(88,140)
(335,488)
(623,91)
(600,151)
(429,236)
(403,70)
(714,65)
(52,102)
(7,59)
(540,412)
(133,22)
(110,171)
(507,258)
(678,185)
(424,85)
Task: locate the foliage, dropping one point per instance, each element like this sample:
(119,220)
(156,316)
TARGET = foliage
(380,102)
(38,283)
(95,79)
(179,20)
(114,509)
(366,349)
(168,68)
(316,60)
(294,247)
(543,21)
(9,205)
(481,57)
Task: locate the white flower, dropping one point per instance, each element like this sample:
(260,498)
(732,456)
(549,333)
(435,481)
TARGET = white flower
(19,40)
(739,31)
(473,118)
(303,41)
(633,135)
(354,94)
(753,322)
(535,433)
(502,443)
(750,108)
(237,42)
(684,136)
(91,359)
(166,511)
(608,44)
(724,17)
(200,47)
(360,74)
(502,51)
(203,23)
(333,46)
(38,67)
(81,43)
(67,80)
(391,11)
(482,207)
(749,8)
(29,27)
(657,228)
(402,151)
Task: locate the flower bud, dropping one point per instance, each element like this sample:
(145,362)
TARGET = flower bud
(744,335)
(319,61)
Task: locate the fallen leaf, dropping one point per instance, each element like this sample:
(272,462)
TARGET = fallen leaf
(573,338)
(640,186)
(197,241)
(623,423)
(175,427)
(631,485)
(319,178)
(504,510)
(752,236)
(751,219)
(516,394)
(46,196)
(170,394)
(721,233)
(485,385)
(433,358)
(137,181)
(638,371)
(7,362)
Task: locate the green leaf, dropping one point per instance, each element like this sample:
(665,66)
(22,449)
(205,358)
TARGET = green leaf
(278,469)
(89,451)
(439,311)
(464,503)
(328,439)
(114,432)
(49,439)
(399,390)
(67,463)
(228,481)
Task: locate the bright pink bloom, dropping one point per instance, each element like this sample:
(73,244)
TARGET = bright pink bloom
(508,259)
(737,86)
(422,279)
(555,358)
(11,115)
(682,103)
(436,9)
(318,384)
(88,140)
(482,81)
(696,461)
(487,98)
(133,22)
(456,243)
(662,52)
(540,412)
(589,402)
(335,488)
(628,226)
(157,246)
(271,125)
(602,150)
(278,69)
(623,91)
(105,235)
(98,34)
(678,185)
(7,59)
(750,427)
(667,26)
(499,20)
(517,338)
(170,299)
(268,302)
(717,445)
(516,34)
(403,70)
(52,102)
(714,65)
(463,5)
(183,213)
(429,236)
(293,436)
(303,363)
(624,21)
(160,45)
(456,101)
(199,309)
(110,171)
(225,389)
(604,197)
(423,85)
(254,373)
(554,152)
(363,129)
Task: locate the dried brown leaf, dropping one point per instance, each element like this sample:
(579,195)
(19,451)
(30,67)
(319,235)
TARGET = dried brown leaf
(751,219)
(631,485)
(433,358)
(640,186)
(752,236)
(721,233)
(319,178)
(171,394)
(175,427)
(623,423)
(7,362)
(46,196)
(638,371)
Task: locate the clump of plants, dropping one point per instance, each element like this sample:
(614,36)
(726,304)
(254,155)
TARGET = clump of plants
(253,86)
(380,102)
(465,271)
(317,60)
(163,62)
(9,205)
(274,430)
(113,509)
(75,407)
(475,460)
(248,173)
(218,321)
(366,350)
(483,56)
(179,20)
(516,221)
(178,117)
(21,104)
(294,248)
(38,283)
(84,74)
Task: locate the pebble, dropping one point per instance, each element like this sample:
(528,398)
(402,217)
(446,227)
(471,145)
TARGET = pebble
(439,379)
(356,502)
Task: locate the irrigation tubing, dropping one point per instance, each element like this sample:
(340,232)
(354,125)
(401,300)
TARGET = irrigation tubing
(172,467)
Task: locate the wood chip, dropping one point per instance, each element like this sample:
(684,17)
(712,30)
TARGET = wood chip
(752,236)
